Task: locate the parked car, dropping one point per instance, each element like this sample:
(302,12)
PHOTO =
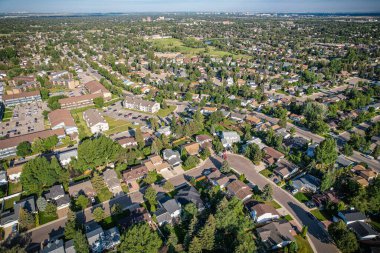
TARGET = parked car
(294,191)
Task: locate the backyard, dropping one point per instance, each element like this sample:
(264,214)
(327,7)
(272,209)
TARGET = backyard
(117,125)
(167,111)
(14,188)
(303,245)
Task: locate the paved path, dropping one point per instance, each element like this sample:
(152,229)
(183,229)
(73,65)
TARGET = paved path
(318,235)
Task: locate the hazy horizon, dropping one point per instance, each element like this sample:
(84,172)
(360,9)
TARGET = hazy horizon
(253,6)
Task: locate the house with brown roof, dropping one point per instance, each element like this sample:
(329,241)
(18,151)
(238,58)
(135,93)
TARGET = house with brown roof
(252,119)
(285,168)
(276,234)
(192,148)
(239,189)
(204,140)
(218,179)
(8,146)
(261,212)
(82,188)
(127,142)
(155,162)
(134,173)
(22,98)
(208,110)
(95,87)
(78,101)
(271,155)
(62,118)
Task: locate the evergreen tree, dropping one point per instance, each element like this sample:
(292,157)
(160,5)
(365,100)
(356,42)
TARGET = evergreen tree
(80,242)
(195,246)
(207,234)
(225,167)
(71,225)
(140,239)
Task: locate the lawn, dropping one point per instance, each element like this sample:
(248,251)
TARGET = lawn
(8,204)
(84,131)
(303,245)
(274,204)
(167,111)
(176,45)
(8,113)
(266,173)
(288,217)
(117,125)
(301,197)
(43,218)
(320,215)
(14,188)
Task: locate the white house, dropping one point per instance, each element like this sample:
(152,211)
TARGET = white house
(95,121)
(229,138)
(65,157)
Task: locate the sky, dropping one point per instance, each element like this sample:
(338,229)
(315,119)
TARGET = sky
(88,6)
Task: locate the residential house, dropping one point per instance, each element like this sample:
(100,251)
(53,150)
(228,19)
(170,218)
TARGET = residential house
(21,98)
(134,173)
(11,219)
(321,200)
(155,162)
(252,120)
(136,216)
(3,178)
(95,236)
(271,155)
(127,142)
(363,230)
(307,183)
(204,141)
(172,157)
(285,168)
(62,118)
(65,157)
(167,207)
(69,246)
(192,148)
(229,138)
(276,234)
(218,179)
(343,161)
(95,121)
(298,143)
(239,189)
(238,117)
(94,87)
(164,130)
(56,246)
(351,216)
(296,118)
(112,182)
(190,195)
(8,146)
(82,188)
(141,105)
(261,212)
(208,110)
(57,195)
(14,173)
(283,132)
(310,152)
(78,101)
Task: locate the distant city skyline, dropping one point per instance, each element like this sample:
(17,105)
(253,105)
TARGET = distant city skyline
(89,6)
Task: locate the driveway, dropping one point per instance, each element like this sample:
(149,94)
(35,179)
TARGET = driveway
(317,234)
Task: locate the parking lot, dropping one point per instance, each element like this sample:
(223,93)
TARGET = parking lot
(27,118)
(117,111)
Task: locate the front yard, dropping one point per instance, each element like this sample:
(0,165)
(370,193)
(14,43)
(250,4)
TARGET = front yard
(303,245)
(14,188)
(302,197)
(320,215)
(167,111)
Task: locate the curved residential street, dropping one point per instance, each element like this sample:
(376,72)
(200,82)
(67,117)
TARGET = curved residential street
(317,234)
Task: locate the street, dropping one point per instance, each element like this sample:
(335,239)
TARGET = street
(317,234)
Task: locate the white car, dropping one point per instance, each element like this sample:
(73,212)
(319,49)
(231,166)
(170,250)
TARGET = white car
(294,191)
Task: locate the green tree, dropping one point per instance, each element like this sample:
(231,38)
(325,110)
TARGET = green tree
(26,220)
(150,195)
(218,146)
(139,138)
(376,152)
(344,239)
(190,162)
(168,186)
(51,210)
(205,153)
(80,243)
(98,214)
(70,226)
(24,149)
(99,102)
(207,234)
(151,177)
(39,174)
(304,231)
(326,153)
(82,201)
(195,245)
(348,150)
(225,167)
(116,209)
(267,192)
(140,239)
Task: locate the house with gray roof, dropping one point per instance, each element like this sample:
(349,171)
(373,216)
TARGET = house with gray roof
(54,247)
(229,138)
(168,210)
(10,219)
(351,216)
(307,183)
(65,157)
(172,157)
(363,230)
(190,195)
(112,182)
(276,234)
(57,195)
